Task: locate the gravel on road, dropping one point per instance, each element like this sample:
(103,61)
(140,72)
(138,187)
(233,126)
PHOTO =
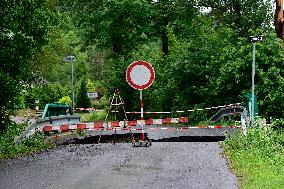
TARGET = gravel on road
(196,165)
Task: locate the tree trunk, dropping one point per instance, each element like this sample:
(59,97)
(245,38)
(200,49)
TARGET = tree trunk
(117,44)
(165,42)
(279,20)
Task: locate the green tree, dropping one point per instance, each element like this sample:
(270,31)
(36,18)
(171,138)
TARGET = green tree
(278,19)
(23,29)
(82,100)
(117,24)
(65,100)
(177,14)
(241,15)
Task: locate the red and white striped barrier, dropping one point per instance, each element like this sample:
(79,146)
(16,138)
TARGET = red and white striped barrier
(114,124)
(119,126)
(81,127)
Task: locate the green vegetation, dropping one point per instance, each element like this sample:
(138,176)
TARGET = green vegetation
(8,149)
(201,59)
(82,98)
(258,158)
(93,116)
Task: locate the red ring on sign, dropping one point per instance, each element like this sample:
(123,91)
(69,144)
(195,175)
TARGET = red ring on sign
(148,66)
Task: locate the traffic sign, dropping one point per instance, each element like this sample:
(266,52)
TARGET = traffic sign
(140,75)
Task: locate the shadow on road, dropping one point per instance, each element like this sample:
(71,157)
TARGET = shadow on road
(128,138)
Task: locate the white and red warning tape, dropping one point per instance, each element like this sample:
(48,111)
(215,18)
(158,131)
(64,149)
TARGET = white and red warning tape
(183,111)
(178,111)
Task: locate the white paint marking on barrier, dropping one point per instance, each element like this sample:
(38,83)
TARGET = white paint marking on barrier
(199,109)
(190,110)
(72,127)
(122,123)
(89,125)
(157,121)
(140,122)
(174,120)
(107,125)
(104,125)
(56,128)
(208,108)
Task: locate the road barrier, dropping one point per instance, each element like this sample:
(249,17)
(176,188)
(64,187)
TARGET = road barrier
(53,121)
(69,123)
(124,125)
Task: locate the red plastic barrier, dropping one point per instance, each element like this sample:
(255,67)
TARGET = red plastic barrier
(81,126)
(149,122)
(115,124)
(183,119)
(64,127)
(166,121)
(98,125)
(131,123)
(47,128)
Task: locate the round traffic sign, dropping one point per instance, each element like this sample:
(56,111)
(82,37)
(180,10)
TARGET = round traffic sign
(140,75)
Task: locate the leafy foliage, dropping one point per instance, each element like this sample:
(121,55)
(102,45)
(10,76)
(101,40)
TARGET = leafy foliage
(47,93)
(65,100)
(82,100)
(8,149)
(200,58)
(241,15)
(258,158)
(23,28)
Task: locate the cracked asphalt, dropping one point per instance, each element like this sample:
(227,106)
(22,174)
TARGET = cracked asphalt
(196,165)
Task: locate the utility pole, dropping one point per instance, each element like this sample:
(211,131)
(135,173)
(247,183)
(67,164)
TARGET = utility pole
(72,59)
(279,19)
(253,40)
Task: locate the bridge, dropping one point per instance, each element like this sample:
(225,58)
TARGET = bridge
(167,129)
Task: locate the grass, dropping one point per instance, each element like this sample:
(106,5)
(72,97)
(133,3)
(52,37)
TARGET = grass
(93,116)
(258,158)
(8,149)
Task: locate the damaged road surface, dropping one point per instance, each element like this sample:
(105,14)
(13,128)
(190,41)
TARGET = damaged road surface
(196,165)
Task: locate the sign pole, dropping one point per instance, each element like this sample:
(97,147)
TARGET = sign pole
(140,75)
(142,117)
(141,105)
(252,87)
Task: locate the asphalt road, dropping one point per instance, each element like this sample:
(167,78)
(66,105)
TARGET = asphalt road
(196,165)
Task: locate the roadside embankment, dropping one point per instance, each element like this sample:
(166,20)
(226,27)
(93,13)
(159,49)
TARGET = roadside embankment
(258,158)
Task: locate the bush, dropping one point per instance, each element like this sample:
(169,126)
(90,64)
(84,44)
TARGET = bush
(257,158)
(98,116)
(65,100)
(93,116)
(8,149)
(278,125)
(82,100)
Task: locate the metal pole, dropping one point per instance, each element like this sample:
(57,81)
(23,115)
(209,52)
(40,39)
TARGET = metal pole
(142,117)
(252,89)
(72,78)
(141,105)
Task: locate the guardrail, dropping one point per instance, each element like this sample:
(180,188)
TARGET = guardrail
(41,123)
